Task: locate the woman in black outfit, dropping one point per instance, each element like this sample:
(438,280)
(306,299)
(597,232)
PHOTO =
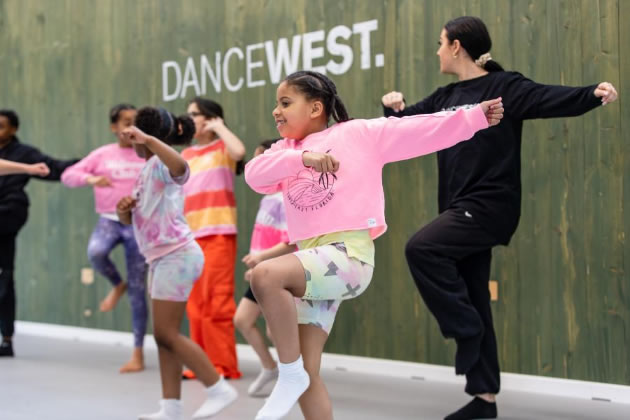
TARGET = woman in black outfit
(479,197)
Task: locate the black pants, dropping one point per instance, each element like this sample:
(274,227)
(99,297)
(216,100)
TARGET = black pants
(450,260)
(7,289)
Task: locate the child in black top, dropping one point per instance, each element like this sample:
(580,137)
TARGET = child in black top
(14,212)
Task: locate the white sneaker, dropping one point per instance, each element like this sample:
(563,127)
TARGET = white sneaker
(220,395)
(265,377)
(169,410)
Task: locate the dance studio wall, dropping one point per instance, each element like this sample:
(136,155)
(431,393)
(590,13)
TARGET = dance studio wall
(563,305)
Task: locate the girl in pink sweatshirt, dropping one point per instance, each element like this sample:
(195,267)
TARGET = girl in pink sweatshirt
(331,180)
(112,171)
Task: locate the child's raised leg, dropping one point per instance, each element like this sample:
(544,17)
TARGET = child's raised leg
(321,278)
(104,238)
(275,282)
(315,402)
(245,318)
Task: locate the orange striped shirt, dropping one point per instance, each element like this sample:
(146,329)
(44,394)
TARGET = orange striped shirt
(210,206)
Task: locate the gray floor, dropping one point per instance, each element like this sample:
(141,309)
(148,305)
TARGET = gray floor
(65,380)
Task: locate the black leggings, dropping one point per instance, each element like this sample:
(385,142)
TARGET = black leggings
(7,289)
(450,262)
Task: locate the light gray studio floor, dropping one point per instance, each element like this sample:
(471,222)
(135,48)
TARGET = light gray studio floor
(54,379)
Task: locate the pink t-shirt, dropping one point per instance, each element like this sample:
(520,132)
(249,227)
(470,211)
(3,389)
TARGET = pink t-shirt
(158,219)
(352,198)
(120,165)
(270,228)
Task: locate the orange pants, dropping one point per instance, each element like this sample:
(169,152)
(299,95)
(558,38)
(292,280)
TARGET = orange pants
(211,305)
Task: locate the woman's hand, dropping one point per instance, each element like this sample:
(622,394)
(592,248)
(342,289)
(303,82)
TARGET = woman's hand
(607,92)
(493,110)
(394,100)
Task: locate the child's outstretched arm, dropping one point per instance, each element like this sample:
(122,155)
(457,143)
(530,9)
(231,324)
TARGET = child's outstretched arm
(404,138)
(8,167)
(176,165)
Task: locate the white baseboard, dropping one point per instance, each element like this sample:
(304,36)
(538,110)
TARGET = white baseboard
(366,365)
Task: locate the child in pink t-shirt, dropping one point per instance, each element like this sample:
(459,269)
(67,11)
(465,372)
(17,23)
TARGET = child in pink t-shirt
(270,239)
(331,179)
(156,211)
(112,171)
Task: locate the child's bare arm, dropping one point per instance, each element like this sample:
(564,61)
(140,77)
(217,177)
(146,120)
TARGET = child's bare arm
(8,167)
(174,162)
(275,251)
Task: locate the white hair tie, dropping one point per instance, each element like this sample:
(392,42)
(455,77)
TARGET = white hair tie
(483,59)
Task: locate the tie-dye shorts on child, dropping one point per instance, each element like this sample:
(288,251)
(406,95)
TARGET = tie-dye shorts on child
(331,277)
(171,277)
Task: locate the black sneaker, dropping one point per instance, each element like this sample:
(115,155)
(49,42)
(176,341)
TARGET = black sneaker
(6,349)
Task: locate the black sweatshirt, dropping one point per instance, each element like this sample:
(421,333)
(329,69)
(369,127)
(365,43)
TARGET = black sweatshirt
(13,200)
(483,175)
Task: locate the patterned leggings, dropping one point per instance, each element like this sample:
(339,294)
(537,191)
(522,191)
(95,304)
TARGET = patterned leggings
(106,236)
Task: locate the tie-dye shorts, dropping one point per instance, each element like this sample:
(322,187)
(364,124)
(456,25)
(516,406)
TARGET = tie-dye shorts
(331,277)
(172,276)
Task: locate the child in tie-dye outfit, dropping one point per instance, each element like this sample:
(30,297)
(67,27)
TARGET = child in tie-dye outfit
(156,210)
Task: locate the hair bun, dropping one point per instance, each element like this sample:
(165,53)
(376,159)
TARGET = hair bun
(184,130)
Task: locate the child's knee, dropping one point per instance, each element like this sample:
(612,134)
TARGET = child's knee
(96,253)
(260,280)
(312,368)
(241,323)
(165,339)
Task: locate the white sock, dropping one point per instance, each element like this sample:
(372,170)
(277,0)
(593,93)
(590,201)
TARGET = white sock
(264,377)
(293,380)
(169,410)
(220,395)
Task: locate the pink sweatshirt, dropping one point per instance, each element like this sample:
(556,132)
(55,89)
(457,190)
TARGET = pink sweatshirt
(120,165)
(353,199)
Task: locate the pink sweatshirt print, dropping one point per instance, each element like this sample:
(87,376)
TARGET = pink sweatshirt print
(120,165)
(353,198)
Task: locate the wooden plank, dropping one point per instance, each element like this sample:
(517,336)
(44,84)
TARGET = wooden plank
(563,302)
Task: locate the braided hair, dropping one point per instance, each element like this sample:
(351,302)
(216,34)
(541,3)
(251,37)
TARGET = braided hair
(317,86)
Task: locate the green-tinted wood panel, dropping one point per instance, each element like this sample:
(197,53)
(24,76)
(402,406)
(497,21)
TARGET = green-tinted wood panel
(563,307)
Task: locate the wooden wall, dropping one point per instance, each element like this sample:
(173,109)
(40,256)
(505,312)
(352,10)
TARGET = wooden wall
(564,298)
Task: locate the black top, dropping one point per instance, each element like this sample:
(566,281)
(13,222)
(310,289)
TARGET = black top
(13,200)
(483,175)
